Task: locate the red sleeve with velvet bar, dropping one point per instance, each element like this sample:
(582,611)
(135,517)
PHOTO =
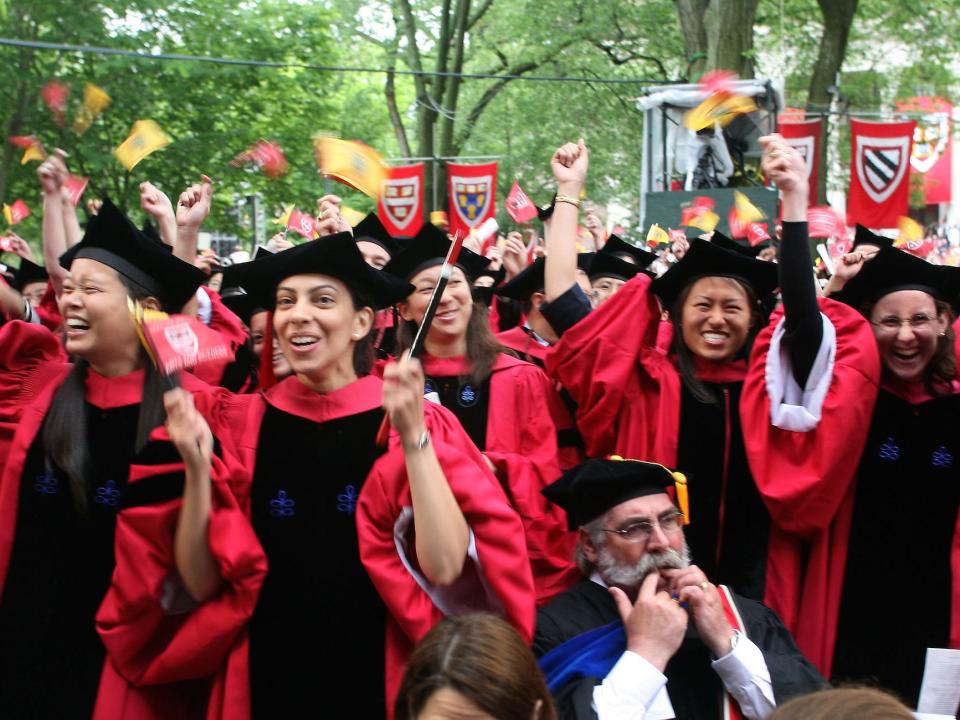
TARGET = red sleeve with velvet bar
(804,476)
(627,392)
(152,631)
(504,584)
(521,442)
(231,329)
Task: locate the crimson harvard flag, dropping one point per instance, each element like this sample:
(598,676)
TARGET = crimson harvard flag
(805,137)
(519,205)
(473,190)
(400,207)
(825,222)
(879,172)
(303,223)
(75,185)
(932,146)
(181,341)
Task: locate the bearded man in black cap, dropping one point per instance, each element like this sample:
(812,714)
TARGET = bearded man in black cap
(646,634)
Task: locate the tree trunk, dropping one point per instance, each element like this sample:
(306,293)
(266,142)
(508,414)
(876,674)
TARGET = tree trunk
(729,28)
(694,32)
(837,19)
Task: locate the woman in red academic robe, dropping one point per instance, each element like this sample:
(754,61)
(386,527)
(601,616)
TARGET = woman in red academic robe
(501,401)
(66,483)
(368,546)
(683,410)
(879,525)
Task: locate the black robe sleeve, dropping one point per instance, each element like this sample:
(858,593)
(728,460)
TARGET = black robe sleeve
(567,309)
(803,328)
(792,674)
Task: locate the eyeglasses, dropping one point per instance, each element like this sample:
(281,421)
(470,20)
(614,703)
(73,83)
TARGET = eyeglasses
(893,324)
(669,523)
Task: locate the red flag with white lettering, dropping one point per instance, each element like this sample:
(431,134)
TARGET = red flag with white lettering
(181,341)
(301,222)
(519,205)
(825,222)
(805,137)
(879,172)
(400,207)
(473,195)
(757,233)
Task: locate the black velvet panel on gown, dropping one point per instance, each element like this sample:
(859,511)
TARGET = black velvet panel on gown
(468,402)
(60,568)
(730,526)
(897,582)
(317,634)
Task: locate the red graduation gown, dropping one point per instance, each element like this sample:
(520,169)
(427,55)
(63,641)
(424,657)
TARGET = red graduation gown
(807,480)
(521,442)
(627,392)
(145,646)
(385,494)
(521,342)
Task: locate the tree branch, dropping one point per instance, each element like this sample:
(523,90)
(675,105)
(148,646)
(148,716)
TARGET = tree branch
(481,11)
(611,53)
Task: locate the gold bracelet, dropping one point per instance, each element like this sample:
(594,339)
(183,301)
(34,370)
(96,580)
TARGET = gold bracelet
(567,199)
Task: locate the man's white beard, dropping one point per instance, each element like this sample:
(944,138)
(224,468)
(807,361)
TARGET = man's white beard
(630,576)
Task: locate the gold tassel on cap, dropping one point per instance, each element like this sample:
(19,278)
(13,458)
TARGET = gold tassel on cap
(683,500)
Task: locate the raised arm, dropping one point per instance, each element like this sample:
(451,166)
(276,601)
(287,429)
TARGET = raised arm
(191,436)
(158,206)
(441,530)
(803,325)
(569,165)
(52,173)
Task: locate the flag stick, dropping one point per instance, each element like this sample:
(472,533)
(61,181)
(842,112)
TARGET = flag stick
(418,340)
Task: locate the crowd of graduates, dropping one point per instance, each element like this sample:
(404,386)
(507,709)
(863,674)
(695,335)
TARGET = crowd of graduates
(753,481)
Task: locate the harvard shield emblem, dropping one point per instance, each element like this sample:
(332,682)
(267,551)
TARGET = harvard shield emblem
(929,141)
(400,199)
(472,198)
(881,163)
(182,339)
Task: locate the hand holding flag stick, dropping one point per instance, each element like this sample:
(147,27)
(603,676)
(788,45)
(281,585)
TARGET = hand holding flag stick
(418,340)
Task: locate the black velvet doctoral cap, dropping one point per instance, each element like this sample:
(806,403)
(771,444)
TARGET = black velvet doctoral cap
(721,240)
(706,259)
(531,278)
(609,265)
(112,239)
(865,236)
(593,487)
(372,230)
(428,248)
(334,255)
(29,272)
(891,270)
(240,303)
(616,246)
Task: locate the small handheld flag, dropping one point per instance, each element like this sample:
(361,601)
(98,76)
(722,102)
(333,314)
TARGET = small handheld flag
(95,101)
(145,138)
(351,163)
(16,212)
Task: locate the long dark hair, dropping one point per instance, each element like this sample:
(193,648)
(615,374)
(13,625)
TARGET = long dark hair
(482,346)
(685,362)
(65,439)
(364,353)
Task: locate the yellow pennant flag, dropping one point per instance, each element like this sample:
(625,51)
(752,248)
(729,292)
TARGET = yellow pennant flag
(95,101)
(350,215)
(145,137)
(706,221)
(284,219)
(656,235)
(33,152)
(720,107)
(910,231)
(746,211)
(351,163)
